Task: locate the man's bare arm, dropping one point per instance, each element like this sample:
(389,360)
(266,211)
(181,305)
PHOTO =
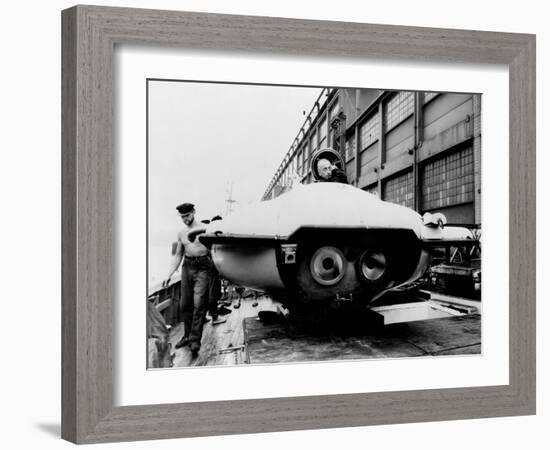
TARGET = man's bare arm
(174,264)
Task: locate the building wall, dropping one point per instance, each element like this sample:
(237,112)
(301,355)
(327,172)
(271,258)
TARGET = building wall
(422,150)
(477,157)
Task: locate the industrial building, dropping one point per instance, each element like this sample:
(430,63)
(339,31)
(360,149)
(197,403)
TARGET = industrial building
(418,149)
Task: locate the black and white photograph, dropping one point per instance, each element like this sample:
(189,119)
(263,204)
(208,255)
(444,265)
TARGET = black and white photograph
(294,224)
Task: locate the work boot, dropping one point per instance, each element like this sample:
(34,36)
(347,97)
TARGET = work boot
(223,311)
(216,320)
(194,347)
(182,342)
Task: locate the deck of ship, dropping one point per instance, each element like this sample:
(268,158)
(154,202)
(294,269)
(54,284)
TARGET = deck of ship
(245,339)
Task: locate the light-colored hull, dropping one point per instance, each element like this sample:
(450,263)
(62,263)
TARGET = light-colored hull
(325,241)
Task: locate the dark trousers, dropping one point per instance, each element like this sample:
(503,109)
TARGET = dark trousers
(214,292)
(195,283)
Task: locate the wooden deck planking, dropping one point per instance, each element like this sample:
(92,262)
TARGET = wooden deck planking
(217,337)
(268,343)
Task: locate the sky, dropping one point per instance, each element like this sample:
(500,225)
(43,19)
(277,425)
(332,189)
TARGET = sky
(207,140)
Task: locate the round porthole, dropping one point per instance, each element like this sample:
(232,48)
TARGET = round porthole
(328,266)
(372,265)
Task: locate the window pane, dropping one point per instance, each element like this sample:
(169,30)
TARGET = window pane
(322,131)
(350,147)
(449,180)
(398,109)
(369,131)
(400,190)
(313,142)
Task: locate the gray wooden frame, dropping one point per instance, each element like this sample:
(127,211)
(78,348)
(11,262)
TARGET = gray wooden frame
(89,36)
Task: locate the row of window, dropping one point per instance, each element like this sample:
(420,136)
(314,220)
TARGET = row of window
(447,181)
(396,110)
(318,138)
(400,190)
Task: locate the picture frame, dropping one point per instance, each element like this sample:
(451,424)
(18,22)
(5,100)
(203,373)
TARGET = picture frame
(89,37)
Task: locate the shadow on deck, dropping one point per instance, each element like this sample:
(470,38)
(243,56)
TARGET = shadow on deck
(244,339)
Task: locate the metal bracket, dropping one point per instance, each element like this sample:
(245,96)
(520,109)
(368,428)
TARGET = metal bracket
(344,298)
(289,253)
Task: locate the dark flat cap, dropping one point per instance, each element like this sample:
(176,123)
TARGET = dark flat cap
(185,208)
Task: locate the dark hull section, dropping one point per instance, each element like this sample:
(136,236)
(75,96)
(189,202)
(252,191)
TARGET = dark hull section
(321,265)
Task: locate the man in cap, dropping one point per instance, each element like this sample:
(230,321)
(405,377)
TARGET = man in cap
(329,172)
(196,273)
